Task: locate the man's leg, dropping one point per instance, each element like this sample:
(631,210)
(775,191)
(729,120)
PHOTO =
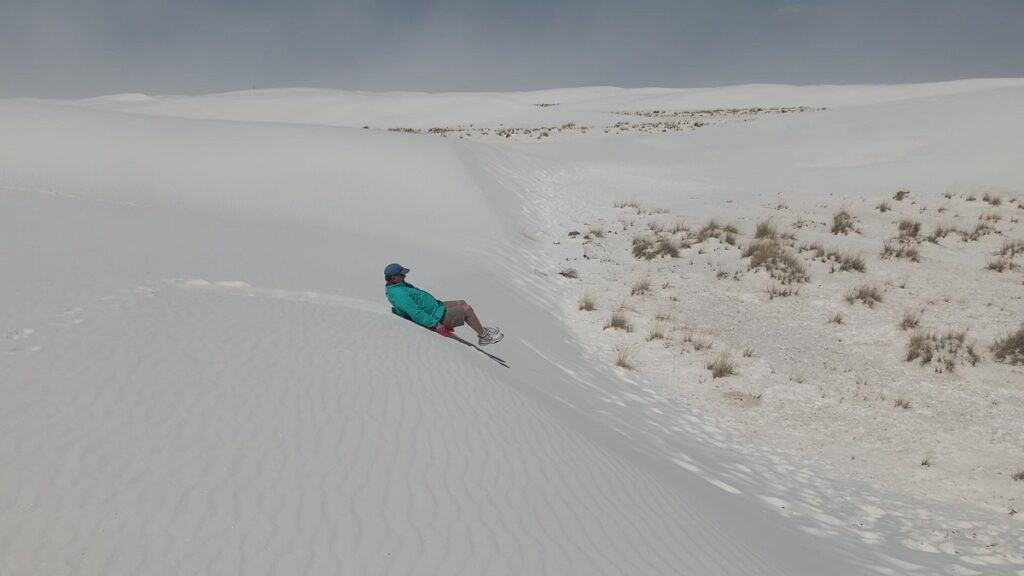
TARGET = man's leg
(471,318)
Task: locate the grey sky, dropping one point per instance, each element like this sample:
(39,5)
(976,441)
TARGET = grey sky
(72,48)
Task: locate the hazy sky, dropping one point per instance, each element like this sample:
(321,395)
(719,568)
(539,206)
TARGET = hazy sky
(71,48)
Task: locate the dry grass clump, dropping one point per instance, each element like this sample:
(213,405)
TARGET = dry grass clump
(649,248)
(815,247)
(643,247)
(869,294)
(569,273)
(843,223)
(640,287)
(780,261)
(596,232)
(911,319)
(836,319)
(698,342)
(992,199)
(1001,264)
(655,226)
(908,230)
(883,206)
(990,217)
(588,303)
(1010,348)
(624,358)
(947,351)
(980,229)
(894,248)
(721,366)
(780,291)
(1018,476)
(902,402)
(727,233)
(900,195)
(657,332)
(847,262)
(634,204)
(940,233)
(766,229)
(619,321)
(679,227)
(1011,248)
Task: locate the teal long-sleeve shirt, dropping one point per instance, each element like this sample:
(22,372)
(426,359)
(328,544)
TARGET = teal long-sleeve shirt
(414,304)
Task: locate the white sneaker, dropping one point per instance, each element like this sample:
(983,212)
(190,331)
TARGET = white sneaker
(490,336)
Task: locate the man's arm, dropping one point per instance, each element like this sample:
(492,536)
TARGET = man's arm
(406,307)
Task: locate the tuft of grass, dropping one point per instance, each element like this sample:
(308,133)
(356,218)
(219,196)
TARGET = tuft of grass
(666,246)
(944,351)
(588,303)
(766,229)
(883,206)
(781,263)
(908,230)
(927,461)
(655,226)
(1019,476)
(780,291)
(679,227)
(698,342)
(1011,248)
(900,195)
(643,247)
(619,321)
(816,248)
(843,223)
(992,199)
(727,233)
(911,319)
(634,204)
(663,315)
(902,402)
(1001,264)
(569,273)
(897,249)
(990,217)
(1010,348)
(869,294)
(940,232)
(847,262)
(624,358)
(748,352)
(721,366)
(596,231)
(657,332)
(640,287)
(836,319)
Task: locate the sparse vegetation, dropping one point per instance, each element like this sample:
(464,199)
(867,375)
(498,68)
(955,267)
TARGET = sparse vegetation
(766,229)
(623,204)
(927,461)
(869,294)
(619,321)
(1001,264)
(1011,248)
(640,287)
(1019,476)
(908,230)
(648,248)
(900,195)
(896,249)
(1010,348)
(596,231)
(624,358)
(569,273)
(698,342)
(588,303)
(780,291)
(721,366)
(727,233)
(836,319)
(990,217)
(911,320)
(777,259)
(657,332)
(944,351)
(992,199)
(843,223)
(679,227)
(883,206)
(902,402)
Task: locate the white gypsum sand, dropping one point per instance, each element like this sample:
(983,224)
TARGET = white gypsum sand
(201,374)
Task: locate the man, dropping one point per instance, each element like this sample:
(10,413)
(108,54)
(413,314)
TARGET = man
(417,305)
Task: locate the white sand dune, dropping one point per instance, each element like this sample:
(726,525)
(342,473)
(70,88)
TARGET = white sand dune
(200,373)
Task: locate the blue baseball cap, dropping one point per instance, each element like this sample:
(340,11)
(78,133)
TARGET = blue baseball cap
(394,269)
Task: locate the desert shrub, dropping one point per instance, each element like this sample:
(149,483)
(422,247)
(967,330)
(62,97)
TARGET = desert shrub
(836,319)
(816,248)
(679,227)
(588,303)
(666,246)
(896,249)
(780,291)
(944,351)
(980,229)
(766,229)
(1001,264)
(1010,348)
(992,199)
(721,366)
(569,273)
(908,229)
(657,332)
(843,223)
(900,195)
(910,320)
(779,261)
(869,294)
(640,287)
(990,217)
(902,402)
(971,198)
(940,232)
(624,358)
(597,231)
(846,262)
(619,321)
(643,247)
(698,342)
(655,226)
(1011,248)
(634,204)
(1019,475)
(727,233)
(883,206)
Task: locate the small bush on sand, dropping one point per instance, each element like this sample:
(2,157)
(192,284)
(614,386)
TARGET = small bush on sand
(908,230)
(1019,476)
(679,227)
(1011,248)
(836,319)
(597,231)
(846,262)
(727,233)
(1010,348)
(663,315)
(843,223)
(869,294)
(911,319)
(624,358)
(1001,264)
(640,287)
(992,199)
(897,249)
(940,232)
(902,402)
(657,332)
(619,321)
(777,259)
(980,229)
(698,342)
(766,229)
(990,217)
(666,246)
(648,247)
(900,195)
(643,247)
(721,366)
(944,351)
(883,206)
(780,291)
(634,204)
(569,273)
(588,303)
(816,249)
